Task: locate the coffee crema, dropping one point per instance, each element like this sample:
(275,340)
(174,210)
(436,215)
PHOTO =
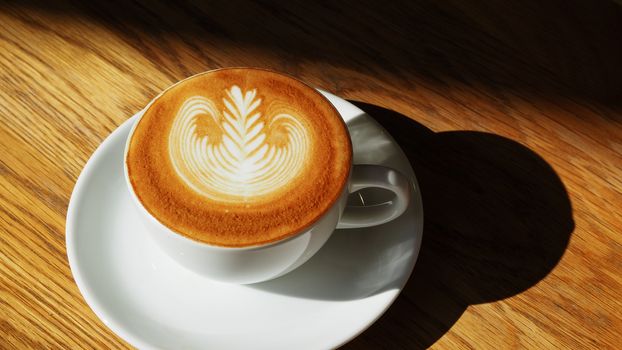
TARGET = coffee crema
(239,157)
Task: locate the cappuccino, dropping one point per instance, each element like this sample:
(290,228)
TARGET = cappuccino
(239,157)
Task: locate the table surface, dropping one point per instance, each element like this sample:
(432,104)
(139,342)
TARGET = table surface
(510,113)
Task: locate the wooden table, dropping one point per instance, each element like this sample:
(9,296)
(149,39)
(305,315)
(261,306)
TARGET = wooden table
(510,112)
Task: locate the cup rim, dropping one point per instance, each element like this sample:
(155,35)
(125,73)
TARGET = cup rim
(155,220)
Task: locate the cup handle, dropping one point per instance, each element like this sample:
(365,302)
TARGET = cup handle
(365,176)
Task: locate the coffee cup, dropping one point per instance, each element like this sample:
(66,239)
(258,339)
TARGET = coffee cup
(243,174)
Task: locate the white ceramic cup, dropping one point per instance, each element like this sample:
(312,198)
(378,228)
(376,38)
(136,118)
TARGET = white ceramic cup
(264,262)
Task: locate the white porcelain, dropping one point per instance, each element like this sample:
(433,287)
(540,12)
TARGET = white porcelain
(264,262)
(154,303)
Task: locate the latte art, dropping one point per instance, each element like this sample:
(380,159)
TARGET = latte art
(244,153)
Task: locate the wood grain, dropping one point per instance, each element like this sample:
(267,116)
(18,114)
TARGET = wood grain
(511,113)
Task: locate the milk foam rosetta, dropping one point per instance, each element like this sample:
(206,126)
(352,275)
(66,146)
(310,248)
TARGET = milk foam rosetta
(244,155)
(239,157)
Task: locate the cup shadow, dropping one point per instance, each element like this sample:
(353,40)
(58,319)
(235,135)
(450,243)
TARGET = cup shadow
(497,221)
(357,263)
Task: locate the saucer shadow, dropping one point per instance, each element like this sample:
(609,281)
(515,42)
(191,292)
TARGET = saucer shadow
(497,221)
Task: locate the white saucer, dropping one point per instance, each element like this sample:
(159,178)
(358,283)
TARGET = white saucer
(151,302)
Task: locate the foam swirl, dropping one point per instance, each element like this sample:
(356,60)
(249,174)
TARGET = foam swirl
(243,153)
